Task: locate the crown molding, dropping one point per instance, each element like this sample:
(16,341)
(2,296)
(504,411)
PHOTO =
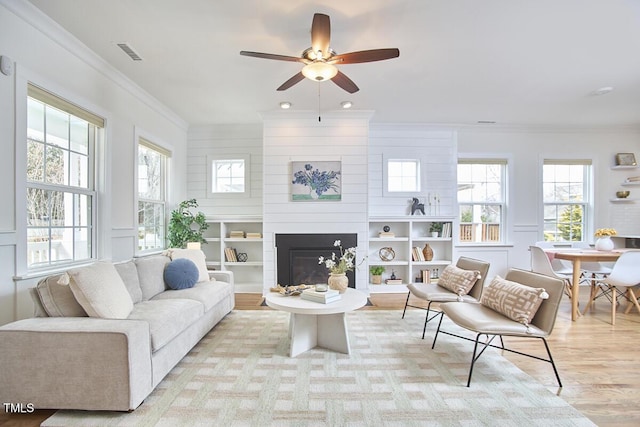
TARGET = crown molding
(51,29)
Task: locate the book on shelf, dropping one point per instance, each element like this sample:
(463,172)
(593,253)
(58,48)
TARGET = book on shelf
(417,254)
(426,276)
(386,234)
(236,234)
(446,229)
(230,255)
(393,281)
(253,235)
(330,295)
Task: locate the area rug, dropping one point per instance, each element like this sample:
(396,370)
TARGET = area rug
(240,375)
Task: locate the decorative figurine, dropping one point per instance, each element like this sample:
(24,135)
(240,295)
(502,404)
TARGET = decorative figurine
(417,206)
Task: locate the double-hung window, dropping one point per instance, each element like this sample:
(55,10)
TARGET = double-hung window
(566,195)
(152,195)
(482,200)
(60,184)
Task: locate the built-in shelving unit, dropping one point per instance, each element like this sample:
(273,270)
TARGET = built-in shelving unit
(625,183)
(408,232)
(221,239)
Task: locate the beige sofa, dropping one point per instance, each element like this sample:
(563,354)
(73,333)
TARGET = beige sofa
(64,359)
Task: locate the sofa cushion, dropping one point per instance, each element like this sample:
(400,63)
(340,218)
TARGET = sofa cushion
(129,274)
(207,293)
(181,273)
(516,301)
(457,280)
(167,318)
(150,274)
(100,291)
(57,299)
(195,255)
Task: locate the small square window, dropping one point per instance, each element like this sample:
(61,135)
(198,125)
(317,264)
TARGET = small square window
(403,176)
(228,175)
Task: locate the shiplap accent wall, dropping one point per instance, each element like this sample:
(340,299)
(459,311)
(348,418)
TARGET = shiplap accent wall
(290,136)
(225,140)
(436,149)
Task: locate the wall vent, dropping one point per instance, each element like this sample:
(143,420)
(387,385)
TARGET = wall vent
(129,51)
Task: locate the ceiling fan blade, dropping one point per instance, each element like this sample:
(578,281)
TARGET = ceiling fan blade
(365,56)
(321,34)
(345,82)
(293,80)
(272,56)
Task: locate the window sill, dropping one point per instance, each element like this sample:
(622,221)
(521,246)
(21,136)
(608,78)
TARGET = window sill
(35,274)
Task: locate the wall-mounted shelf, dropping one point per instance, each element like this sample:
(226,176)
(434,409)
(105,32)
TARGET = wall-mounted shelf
(631,184)
(625,167)
(619,200)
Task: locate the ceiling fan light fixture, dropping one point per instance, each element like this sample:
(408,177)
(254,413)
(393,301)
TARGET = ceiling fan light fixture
(319,71)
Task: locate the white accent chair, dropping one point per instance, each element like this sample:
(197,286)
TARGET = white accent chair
(540,263)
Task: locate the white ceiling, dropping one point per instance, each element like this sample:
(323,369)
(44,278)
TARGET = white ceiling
(520,62)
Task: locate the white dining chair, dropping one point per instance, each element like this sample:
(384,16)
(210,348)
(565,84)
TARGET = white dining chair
(623,279)
(540,263)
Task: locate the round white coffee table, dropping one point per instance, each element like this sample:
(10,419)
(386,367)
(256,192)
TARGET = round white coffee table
(314,324)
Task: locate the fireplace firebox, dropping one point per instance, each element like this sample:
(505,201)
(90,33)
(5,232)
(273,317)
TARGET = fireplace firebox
(297,257)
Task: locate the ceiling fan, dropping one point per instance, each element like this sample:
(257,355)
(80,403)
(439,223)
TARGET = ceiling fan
(320,60)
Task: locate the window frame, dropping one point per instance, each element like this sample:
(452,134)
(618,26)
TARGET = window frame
(151,143)
(94,154)
(505,163)
(587,192)
(211,158)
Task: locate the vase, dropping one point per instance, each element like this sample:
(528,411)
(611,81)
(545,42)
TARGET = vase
(427,252)
(604,244)
(338,281)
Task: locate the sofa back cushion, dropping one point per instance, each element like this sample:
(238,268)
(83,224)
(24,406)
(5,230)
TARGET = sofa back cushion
(129,274)
(100,291)
(57,299)
(151,275)
(197,256)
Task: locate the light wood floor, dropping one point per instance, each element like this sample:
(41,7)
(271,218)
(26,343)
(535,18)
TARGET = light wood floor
(597,361)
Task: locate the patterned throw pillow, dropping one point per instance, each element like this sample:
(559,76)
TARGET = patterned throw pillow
(514,300)
(458,280)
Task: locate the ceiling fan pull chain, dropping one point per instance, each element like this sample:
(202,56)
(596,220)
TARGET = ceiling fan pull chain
(319,118)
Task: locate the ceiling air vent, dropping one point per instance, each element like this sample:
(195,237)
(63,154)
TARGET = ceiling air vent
(129,51)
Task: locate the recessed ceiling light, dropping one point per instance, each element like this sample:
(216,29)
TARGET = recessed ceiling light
(346,104)
(602,91)
(285,105)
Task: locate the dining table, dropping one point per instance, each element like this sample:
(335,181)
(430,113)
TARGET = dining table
(576,256)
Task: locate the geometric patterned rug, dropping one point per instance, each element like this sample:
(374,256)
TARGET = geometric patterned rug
(240,375)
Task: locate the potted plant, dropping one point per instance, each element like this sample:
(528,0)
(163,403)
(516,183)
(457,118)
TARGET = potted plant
(185,227)
(435,228)
(376,274)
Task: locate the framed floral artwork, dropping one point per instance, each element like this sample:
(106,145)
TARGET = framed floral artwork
(316,181)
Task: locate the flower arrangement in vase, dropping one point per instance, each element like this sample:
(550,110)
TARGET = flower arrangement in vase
(604,242)
(339,265)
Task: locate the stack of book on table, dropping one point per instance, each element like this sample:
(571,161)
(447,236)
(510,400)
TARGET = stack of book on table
(330,295)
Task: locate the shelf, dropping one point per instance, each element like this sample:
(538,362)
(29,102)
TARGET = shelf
(389,263)
(630,184)
(242,239)
(388,239)
(625,200)
(387,289)
(438,262)
(243,264)
(431,239)
(623,167)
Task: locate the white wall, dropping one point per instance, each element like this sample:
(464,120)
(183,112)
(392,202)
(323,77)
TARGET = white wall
(53,59)
(527,148)
(225,140)
(289,136)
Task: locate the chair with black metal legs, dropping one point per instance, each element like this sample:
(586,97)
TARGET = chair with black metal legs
(507,308)
(432,292)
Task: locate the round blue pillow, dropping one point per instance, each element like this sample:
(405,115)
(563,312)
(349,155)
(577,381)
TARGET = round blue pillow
(181,273)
